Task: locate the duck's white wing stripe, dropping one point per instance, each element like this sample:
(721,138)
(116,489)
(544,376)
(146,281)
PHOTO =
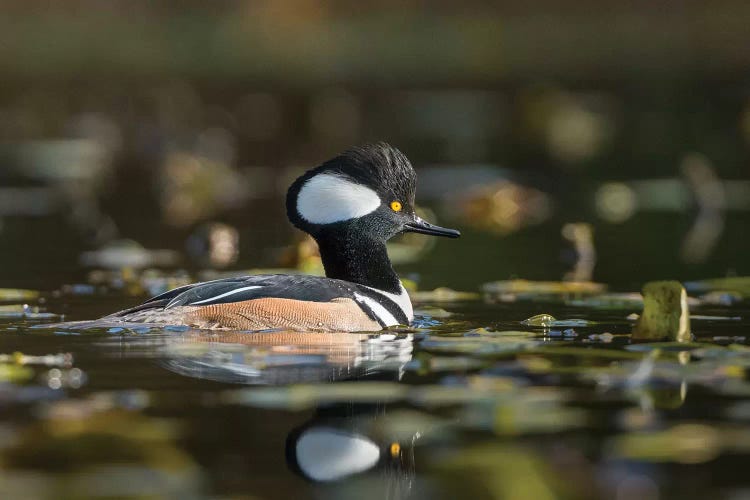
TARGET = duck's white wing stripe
(226,294)
(385,318)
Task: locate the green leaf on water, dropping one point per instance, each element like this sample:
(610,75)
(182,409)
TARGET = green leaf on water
(625,301)
(683,443)
(540,291)
(442,294)
(502,471)
(545,320)
(15,373)
(738,284)
(17,294)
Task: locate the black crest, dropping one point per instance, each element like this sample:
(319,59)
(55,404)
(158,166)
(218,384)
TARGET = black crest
(378,166)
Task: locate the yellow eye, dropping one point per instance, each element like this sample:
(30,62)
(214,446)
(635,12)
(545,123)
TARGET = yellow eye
(396,206)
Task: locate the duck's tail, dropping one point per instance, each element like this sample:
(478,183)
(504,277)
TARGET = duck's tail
(150,314)
(106,323)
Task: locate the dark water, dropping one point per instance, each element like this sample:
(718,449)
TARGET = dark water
(130,131)
(470,403)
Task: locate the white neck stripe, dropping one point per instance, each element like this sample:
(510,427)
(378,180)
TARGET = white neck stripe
(402,300)
(384,317)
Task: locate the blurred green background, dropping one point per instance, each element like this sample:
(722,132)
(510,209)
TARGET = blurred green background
(594,140)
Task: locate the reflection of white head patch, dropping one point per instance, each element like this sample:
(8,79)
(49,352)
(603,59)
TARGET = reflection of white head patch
(327,454)
(328,198)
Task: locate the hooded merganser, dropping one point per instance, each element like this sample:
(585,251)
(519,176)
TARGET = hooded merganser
(351,205)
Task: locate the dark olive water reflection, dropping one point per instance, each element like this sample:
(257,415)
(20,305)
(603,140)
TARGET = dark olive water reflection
(474,405)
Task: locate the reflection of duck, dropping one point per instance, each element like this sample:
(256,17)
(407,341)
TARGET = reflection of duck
(351,205)
(285,357)
(335,446)
(328,454)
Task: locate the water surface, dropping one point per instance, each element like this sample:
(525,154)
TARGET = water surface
(469,403)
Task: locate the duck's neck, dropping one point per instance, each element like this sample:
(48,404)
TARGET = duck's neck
(359,259)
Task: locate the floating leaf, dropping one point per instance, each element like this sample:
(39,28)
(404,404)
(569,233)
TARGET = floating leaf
(667,346)
(551,291)
(443,294)
(502,471)
(738,284)
(683,443)
(627,301)
(425,363)
(477,345)
(511,419)
(605,337)
(703,317)
(573,323)
(584,352)
(433,312)
(433,396)
(722,298)
(87,441)
(17,294)
(545,320)
(306,396)
(502,335)
(59,360)
(15,373)
(24,311)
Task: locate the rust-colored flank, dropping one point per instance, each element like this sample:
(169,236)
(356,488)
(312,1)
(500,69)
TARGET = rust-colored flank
(338,315)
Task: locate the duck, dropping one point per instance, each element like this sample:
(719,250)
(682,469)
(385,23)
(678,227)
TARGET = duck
(351,205)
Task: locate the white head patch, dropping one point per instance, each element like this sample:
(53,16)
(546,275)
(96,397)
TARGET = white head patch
(328,198)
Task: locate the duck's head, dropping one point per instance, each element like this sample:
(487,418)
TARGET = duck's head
(367,190)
